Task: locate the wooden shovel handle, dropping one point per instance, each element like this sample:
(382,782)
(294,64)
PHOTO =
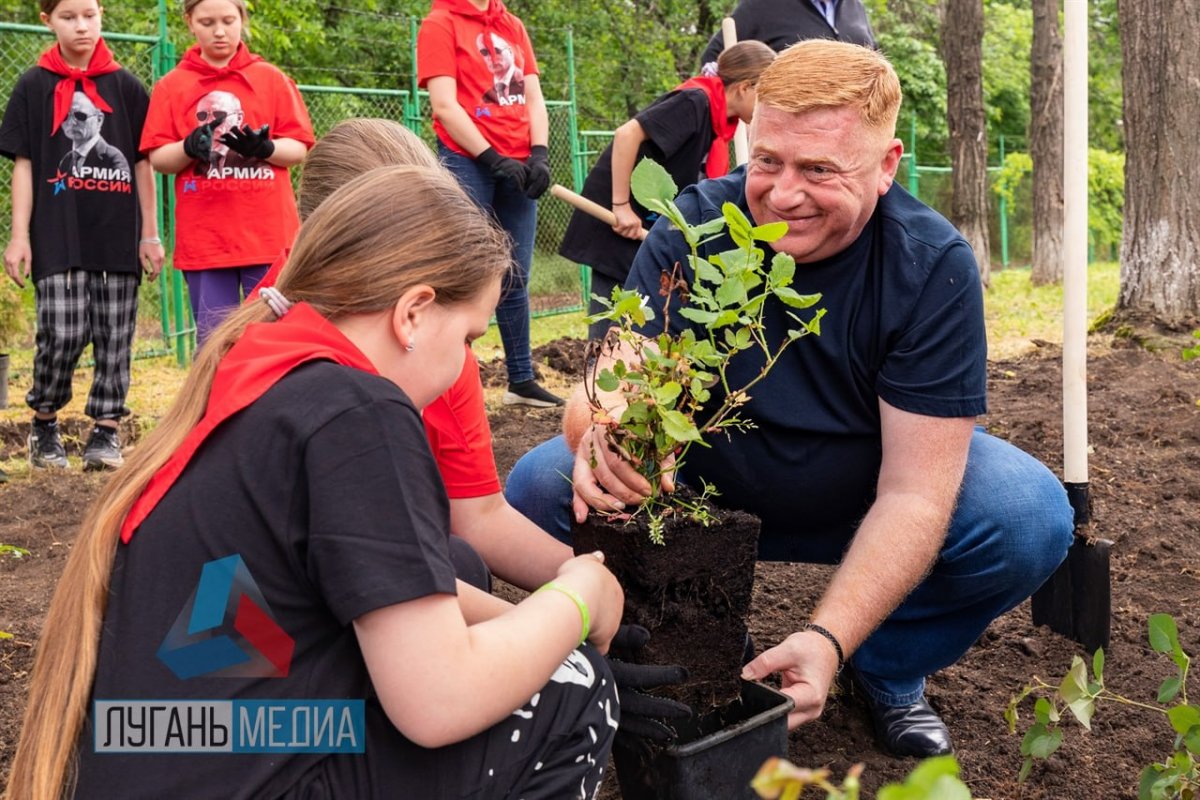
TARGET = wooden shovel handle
(587,206)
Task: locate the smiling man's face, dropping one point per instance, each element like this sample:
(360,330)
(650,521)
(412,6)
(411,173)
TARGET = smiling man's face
(822,172)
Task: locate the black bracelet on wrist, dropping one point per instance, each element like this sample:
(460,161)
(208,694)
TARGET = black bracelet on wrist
(625,203)
(837,646)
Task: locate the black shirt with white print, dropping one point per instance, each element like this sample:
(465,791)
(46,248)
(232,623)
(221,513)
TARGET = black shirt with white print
(85,210)
(325,500)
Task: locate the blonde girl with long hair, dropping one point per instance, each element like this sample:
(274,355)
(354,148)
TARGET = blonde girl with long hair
(278,542)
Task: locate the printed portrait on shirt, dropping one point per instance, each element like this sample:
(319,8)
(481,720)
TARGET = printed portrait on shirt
(224,111)
(508,79)
(89,151)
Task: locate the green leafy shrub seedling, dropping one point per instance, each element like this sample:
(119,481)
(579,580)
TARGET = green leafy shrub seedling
(663,385)
(1178,775)
(933,779)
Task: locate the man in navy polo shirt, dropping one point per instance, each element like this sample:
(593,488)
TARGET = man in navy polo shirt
(865,451)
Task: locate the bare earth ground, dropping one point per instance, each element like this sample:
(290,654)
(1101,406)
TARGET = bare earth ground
(1144,421)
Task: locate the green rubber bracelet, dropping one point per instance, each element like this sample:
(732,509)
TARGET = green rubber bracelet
(582,606)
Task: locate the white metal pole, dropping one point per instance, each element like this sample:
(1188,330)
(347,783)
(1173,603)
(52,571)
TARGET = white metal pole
(1075,199)
(741,146)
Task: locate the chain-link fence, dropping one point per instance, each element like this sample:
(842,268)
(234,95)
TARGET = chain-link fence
(1010,225)
(556,284)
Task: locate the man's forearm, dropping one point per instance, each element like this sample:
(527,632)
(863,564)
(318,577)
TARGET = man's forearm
(895,547)
(577,417)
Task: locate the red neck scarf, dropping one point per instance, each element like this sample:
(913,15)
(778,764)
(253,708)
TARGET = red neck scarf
(723,126)
(193,61)
(101,63)
(265,353)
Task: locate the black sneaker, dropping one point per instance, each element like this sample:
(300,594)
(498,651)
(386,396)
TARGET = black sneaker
(45,445)
(529,393)
(103,449)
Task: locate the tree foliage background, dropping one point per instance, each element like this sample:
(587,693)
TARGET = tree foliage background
(627,52)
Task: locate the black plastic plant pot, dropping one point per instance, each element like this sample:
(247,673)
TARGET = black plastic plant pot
(715,756)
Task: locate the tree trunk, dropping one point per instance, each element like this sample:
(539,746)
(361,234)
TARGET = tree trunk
(1046,142)
(1160,247)
(962,52)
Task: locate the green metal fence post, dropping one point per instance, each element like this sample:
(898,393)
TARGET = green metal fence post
(181,327)
(914,182)
(161,184)
(577,171)
(1003,215)
(412,112)
(585,272)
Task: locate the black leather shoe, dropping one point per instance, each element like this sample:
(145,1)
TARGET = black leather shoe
(912,730)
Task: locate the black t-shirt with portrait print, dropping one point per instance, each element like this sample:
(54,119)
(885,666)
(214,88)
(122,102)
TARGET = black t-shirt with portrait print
(679,134)
(323,503)
(85,209)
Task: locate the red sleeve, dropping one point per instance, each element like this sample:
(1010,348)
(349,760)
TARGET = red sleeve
(159,128)
(291,115)
(435,49)
(457,427)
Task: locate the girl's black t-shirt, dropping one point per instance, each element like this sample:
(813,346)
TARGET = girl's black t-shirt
(315,505)
(85,206)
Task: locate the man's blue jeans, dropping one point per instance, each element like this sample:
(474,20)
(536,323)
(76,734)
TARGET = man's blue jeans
(517,214)
(1009,532)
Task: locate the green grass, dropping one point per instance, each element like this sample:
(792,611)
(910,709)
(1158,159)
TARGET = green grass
(552,274)
(1018,312)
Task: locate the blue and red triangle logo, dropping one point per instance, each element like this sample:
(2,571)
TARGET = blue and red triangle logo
(226,629)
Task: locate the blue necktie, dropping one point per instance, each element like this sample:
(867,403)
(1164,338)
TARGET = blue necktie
(828,9)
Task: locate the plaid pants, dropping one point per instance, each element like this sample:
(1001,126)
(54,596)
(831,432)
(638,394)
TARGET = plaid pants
(73,308)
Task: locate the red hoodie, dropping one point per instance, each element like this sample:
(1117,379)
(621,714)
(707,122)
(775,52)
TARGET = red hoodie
(488,54)
(232,211)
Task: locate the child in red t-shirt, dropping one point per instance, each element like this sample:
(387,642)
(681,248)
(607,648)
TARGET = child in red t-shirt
(456,423)
(228,125)
(476,60)
(84,224)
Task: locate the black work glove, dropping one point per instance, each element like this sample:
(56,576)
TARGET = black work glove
(198,144)
(644,716)
(246,141)
(503,166)
(538,167)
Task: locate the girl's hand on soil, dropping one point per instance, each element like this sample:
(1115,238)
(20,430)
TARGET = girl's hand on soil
(807,665)
(601,591)
(17,253)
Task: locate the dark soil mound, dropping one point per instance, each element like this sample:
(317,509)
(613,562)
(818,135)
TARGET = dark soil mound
(1145,484)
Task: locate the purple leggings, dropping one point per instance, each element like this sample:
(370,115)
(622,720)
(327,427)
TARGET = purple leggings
(215,292)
